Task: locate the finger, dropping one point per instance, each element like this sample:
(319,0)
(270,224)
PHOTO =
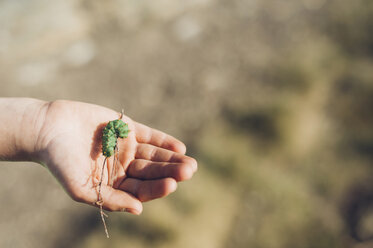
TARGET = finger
(117,200)
(145,169)
(156,154)
(149,189)
(145,134)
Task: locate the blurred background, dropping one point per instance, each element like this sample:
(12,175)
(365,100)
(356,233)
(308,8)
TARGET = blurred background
(274,99)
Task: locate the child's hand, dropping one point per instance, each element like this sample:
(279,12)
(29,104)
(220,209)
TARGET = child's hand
(150,162)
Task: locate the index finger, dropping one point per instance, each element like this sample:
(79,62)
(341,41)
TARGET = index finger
(147,135)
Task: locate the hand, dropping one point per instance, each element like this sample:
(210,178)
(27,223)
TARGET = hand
(150,162)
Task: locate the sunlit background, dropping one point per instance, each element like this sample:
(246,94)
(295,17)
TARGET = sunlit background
(274,99)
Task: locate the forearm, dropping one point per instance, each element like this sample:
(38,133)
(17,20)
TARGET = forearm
(20,122)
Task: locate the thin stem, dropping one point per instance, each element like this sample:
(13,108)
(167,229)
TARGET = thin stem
(116,154)
(114,168)
(100,202)
(101,179)
(103,215)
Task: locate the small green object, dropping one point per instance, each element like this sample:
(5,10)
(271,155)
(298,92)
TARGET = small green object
(113,130)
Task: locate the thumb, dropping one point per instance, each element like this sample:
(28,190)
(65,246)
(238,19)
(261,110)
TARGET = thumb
(112,199)
(117,200)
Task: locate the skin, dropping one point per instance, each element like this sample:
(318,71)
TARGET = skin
(65,136)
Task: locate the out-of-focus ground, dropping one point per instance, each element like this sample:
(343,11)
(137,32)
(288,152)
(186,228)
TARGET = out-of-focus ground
(273,98)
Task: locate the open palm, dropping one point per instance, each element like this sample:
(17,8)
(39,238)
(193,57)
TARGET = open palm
(149,162)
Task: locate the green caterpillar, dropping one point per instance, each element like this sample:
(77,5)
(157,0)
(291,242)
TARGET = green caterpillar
(113,130)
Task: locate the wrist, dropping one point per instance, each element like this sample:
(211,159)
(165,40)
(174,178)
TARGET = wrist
(33,121)
(28,118)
